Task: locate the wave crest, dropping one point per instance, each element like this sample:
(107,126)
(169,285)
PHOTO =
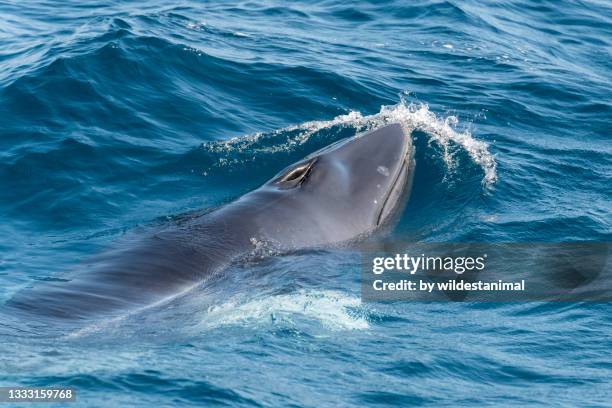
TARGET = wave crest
(412,116)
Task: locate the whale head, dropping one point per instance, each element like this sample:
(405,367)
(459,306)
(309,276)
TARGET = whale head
(337,193)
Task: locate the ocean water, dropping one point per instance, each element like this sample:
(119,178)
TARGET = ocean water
(118,115)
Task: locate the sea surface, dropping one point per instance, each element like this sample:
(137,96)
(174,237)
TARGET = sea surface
(118,115)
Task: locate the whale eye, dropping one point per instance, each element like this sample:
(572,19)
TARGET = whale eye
(295,175)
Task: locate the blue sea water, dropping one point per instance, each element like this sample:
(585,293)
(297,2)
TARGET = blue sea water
(117,115)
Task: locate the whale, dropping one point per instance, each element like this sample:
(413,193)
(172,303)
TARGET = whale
(334,196)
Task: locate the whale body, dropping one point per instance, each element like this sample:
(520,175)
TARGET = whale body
(337,194)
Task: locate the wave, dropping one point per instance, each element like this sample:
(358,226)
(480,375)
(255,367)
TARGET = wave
(332,309)
(412,116)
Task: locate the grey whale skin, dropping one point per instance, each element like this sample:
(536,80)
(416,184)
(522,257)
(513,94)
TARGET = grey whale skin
(334,195)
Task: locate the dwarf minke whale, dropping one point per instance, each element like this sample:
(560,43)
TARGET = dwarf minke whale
(337,194)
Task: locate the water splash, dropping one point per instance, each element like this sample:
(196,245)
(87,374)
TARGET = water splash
(412,116)
(334,310)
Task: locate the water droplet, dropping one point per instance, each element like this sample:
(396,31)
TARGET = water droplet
(383,170)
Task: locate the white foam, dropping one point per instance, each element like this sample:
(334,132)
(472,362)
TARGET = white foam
(334,310)
(412,116)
